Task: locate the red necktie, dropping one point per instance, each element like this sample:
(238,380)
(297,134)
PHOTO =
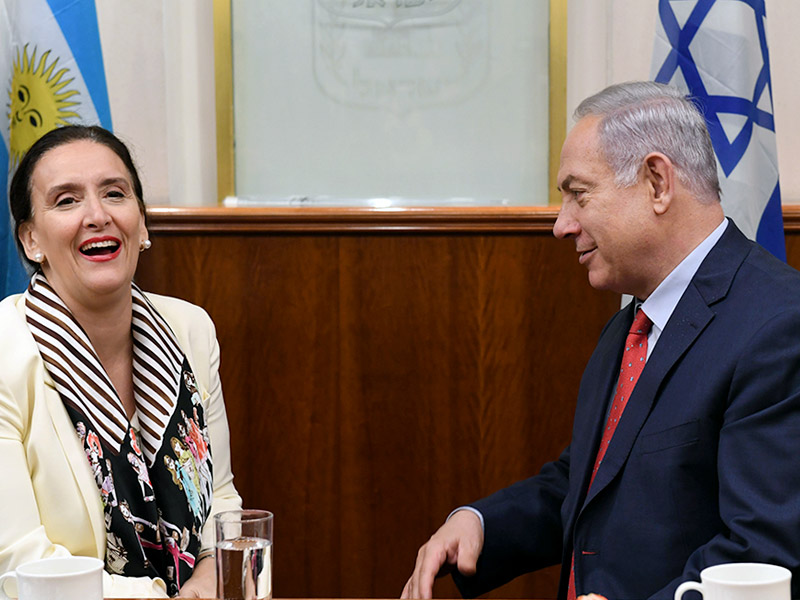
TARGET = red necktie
(633,359)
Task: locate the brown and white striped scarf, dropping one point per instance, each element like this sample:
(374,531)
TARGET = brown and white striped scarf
(156,484)
(81,380)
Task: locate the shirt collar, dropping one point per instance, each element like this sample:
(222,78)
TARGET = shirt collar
(662,302)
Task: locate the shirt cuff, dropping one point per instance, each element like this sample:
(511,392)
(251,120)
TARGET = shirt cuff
(470,509)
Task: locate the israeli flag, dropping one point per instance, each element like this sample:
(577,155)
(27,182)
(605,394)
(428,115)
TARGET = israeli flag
(716,50)
(51,72)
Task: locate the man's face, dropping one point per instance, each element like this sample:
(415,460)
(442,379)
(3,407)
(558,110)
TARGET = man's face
(611,226)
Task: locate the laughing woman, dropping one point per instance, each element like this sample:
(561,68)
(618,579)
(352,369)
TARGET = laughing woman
(97,380)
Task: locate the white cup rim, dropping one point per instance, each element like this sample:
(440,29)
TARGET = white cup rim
(89,564)
(768,574)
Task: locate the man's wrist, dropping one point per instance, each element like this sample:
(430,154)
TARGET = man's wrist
(474,511)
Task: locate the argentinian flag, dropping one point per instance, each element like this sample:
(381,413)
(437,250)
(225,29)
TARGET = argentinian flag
(51,74)
(716,50)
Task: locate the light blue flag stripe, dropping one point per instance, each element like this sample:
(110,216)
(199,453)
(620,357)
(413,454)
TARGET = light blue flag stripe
(729,153)
(13,277)
(78,22)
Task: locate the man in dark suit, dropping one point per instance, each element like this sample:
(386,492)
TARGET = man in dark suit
(698,464)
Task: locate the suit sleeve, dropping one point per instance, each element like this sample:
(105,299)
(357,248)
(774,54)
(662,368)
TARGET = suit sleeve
(225,495)
(523,529)
(759,445)
(23,537)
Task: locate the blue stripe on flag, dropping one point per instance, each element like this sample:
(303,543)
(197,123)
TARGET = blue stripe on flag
(680,39)
(770,228)
(78,22)
(768,231)
(13,278)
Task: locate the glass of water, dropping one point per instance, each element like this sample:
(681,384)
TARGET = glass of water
(244,554)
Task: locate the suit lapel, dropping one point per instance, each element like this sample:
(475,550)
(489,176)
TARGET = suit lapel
(683,328)
(80,470)
(690,317)
(76,457)
(599,379)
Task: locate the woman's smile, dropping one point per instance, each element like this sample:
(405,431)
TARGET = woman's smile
(101,249)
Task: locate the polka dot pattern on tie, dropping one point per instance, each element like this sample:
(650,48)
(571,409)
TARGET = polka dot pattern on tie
(633,360)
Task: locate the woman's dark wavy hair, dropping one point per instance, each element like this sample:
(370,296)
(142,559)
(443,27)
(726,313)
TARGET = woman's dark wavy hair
(19,193)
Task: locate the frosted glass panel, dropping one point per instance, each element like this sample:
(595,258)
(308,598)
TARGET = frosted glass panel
(391,102)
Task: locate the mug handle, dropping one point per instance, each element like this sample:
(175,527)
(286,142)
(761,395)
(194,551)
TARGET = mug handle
(9,575)
(686,586)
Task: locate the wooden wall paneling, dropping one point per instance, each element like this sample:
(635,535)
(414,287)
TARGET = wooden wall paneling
(376,378)
(793,247)
(381,370)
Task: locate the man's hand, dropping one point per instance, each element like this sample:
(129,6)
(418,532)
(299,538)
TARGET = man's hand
(457,543)
(203,582)
(592,597)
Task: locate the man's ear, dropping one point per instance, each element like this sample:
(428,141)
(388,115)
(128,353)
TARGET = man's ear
(659,174)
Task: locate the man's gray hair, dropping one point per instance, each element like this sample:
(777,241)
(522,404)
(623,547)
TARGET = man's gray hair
(641,117)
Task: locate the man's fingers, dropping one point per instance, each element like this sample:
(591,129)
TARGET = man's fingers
(429,560)
(406,593)
(457,544)
(468,558)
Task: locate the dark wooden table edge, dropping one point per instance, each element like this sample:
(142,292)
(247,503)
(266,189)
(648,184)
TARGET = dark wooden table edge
(221,220)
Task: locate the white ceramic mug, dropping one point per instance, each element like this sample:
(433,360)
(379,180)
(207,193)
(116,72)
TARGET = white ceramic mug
(62,578)
(741,581)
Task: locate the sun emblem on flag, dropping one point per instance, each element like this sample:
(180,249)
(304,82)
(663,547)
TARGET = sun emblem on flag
(38,100)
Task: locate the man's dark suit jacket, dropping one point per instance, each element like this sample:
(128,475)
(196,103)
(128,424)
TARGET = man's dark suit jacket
(704,466)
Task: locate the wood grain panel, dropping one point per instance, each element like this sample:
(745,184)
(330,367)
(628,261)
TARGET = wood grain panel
(377,374)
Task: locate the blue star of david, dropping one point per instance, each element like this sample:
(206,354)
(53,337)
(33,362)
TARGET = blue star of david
(680,57)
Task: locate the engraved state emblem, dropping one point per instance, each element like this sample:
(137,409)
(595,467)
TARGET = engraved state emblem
(389,12)
(400,55)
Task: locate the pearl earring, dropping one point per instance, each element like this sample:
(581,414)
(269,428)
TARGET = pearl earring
(38,257)
(145,245)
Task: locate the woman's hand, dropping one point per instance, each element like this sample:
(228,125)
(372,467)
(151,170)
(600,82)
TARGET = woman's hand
(203,582)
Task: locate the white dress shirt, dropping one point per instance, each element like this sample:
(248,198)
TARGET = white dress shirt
(660,305)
